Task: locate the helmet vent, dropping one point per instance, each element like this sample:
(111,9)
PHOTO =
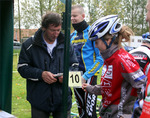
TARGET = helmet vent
(102,26)
(118,26)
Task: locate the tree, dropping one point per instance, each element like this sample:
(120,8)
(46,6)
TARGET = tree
(112,7)
(94,9)
(30,14)
(131,12)
(135,13)
(33,10)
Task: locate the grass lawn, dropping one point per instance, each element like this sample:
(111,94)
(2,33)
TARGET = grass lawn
(20,106)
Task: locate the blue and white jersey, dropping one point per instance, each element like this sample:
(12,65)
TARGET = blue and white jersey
(88,56)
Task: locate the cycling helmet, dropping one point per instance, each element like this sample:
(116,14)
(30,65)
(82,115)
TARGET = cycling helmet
(146,36)
(108,24)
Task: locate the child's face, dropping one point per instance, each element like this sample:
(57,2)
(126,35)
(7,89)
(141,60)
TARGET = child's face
(100,45)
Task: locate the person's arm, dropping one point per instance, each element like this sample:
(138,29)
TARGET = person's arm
(96,65)
(24,65)
(91,89)
(131,72)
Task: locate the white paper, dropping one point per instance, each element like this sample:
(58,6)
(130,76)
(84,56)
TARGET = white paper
(4,114)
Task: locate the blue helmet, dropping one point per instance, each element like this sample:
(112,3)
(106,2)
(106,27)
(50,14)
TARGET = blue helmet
(146,36)
(108,24)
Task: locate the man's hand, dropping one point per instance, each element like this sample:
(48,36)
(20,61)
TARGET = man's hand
(60,79)
(48,77)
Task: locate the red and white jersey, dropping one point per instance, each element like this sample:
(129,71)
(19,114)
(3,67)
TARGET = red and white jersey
(121,77)
(142,56)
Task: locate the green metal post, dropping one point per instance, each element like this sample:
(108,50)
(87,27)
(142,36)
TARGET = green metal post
(66,55)
(6,53)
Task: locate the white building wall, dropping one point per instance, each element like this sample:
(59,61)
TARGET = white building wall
(136,41)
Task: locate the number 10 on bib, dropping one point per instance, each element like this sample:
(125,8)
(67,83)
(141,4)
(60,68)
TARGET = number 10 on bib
(75,79)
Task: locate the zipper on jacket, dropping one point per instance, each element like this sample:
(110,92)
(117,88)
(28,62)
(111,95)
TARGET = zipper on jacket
(59,65)
(46,69)
(45,63)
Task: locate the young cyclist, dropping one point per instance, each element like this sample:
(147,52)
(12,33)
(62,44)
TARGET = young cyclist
(90,61)
(122,77)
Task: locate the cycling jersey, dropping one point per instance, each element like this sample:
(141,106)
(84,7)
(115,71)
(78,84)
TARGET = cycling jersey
(121,79)
(88,56)
(90,61)
(142,56)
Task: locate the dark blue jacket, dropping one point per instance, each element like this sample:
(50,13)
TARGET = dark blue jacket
(33,60)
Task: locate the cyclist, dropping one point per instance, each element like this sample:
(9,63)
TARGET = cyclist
(122,77)
(146,106)
(142,56)
(90,61)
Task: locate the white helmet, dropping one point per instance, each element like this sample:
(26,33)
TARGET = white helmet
(146,36)
(108,24)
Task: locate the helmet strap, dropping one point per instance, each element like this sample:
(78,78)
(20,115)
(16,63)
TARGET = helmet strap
(108,46)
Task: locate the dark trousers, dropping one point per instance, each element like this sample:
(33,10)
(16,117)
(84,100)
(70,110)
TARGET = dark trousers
(86,102)
(36,113)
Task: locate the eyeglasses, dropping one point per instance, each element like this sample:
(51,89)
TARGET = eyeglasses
(54,30)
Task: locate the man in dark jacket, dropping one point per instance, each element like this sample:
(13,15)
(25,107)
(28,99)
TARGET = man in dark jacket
(41,58)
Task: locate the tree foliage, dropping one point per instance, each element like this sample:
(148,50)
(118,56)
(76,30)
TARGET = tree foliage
(131,12)
(135,15)
(33,10)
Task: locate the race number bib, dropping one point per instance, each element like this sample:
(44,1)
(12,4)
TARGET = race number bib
(75,79)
